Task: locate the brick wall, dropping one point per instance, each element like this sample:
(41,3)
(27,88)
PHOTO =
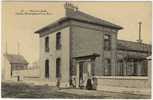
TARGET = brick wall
(87,39)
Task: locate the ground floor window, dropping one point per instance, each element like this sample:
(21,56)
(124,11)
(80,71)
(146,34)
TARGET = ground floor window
(144,70)
(120,68)
(107,67)
(58,68)
(47,68)
(135,72)
(132,67)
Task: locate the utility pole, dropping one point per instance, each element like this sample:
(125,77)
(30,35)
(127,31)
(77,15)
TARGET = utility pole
(139,40)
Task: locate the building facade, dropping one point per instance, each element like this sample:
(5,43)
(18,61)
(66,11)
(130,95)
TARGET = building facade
(79,46)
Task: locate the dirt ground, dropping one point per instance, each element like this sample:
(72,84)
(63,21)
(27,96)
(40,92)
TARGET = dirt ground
(21,90)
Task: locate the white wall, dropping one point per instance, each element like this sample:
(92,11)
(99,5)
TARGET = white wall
(6,70)
(63,53)
(137,85)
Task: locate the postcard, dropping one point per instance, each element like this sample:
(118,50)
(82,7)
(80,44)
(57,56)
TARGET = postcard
(76,49)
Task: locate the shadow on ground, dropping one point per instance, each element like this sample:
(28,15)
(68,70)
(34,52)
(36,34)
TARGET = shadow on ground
(21,90)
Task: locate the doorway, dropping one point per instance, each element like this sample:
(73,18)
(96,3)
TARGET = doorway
(84,73)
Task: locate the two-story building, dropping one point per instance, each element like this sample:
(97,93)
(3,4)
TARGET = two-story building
(80,46)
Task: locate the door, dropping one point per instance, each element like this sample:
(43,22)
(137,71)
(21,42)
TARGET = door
(84,73)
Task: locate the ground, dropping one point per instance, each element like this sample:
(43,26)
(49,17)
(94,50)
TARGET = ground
(21,90)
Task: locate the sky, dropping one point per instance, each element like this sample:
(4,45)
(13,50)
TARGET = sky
(18,30)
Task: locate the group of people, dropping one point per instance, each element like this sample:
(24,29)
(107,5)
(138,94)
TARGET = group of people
(83,84)
(88,84)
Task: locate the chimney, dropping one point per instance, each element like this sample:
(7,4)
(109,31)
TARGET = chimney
(70,9)
(139,40)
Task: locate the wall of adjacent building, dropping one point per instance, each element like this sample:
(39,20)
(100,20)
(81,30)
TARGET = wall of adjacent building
(140,66)
(63,53)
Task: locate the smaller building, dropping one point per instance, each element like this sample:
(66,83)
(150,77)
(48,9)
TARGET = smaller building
(14,64)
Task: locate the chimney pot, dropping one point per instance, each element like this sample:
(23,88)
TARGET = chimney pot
(70,8)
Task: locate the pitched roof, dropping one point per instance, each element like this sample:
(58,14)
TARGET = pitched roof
(86,17)
(12,58)
(83,17)
(133,46)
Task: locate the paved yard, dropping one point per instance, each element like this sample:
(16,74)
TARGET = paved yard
(20,90)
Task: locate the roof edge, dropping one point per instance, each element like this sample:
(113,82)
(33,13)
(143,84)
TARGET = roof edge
(63,19)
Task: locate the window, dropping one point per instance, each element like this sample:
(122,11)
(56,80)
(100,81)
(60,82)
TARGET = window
(135,68)
(107,42)
(58,68)
(47,68)
(107,67)
(58,40)
(120,68)
(144,69)
(12,68)
(47,44)
(130,68)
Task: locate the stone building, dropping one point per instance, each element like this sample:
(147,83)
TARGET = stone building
(80,46)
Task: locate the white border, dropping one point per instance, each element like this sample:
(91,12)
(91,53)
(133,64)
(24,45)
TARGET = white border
(52,1)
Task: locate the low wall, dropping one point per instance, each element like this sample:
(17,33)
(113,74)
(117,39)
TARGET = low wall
(27,72)
(38,81)
(131,84)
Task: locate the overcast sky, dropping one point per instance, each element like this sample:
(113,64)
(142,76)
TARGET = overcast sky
(20,28)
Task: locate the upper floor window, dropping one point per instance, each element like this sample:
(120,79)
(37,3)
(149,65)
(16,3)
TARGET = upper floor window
(47,44)
(58,40)
(107,42)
